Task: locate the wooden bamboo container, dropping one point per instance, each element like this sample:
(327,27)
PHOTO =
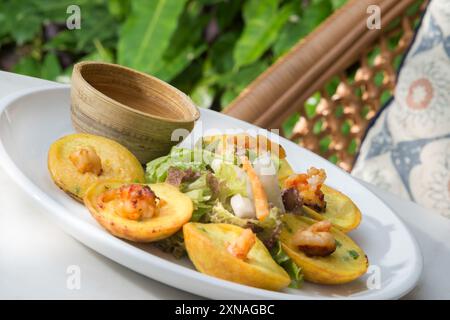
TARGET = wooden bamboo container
(137,110)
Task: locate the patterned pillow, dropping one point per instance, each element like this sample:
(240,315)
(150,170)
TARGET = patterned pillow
(407,149)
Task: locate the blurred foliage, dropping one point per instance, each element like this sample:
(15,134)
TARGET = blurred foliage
(211,49)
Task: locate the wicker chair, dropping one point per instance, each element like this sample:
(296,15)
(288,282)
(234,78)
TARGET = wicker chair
(323,93)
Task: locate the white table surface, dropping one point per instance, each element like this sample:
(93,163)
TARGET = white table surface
(35,253)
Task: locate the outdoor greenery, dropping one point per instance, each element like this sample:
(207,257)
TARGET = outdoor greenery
(210,49)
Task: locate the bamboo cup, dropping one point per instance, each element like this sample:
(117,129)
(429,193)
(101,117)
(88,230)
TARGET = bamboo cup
(137,110)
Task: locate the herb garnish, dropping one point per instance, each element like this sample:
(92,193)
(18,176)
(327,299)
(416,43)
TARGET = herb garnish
(353,254)
(294,271)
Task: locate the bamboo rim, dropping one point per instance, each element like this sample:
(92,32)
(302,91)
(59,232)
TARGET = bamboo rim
(187,102)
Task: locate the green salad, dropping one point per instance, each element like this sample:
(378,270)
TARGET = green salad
(221,192)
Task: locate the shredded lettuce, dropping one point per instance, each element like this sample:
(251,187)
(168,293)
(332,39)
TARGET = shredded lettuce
(230,183)
(173,245)
(266,230)
(195,159)
(293,270)
(221,215)
(210,196)
(202,194)
(200,191)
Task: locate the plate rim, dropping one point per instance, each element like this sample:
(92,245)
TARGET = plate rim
(110,246)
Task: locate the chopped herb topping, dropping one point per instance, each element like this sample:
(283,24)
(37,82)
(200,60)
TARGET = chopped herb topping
(338,244)
(353,254)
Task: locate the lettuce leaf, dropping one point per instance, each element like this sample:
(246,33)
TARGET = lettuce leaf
(195,159)
(230,183)
(221,215)
(203,194)
(202,191)
(173,245)
(266,230)
(293,270)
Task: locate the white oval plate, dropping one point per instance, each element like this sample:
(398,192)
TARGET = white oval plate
(30,121)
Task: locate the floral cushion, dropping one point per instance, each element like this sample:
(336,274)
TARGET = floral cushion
(407,148)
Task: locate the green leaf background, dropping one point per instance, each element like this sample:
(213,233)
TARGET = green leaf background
(211,49)
(146,33)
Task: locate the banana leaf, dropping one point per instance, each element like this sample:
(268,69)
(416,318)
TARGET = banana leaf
(147,32)
(263,21)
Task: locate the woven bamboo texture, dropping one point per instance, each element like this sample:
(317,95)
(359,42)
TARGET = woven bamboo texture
(323,93)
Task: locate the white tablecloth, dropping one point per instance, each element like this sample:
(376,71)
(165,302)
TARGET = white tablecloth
(35,254)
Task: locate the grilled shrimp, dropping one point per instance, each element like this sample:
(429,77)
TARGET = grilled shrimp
(316,240)
(135,201)
(308,185)
(243,244)
(86,159)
